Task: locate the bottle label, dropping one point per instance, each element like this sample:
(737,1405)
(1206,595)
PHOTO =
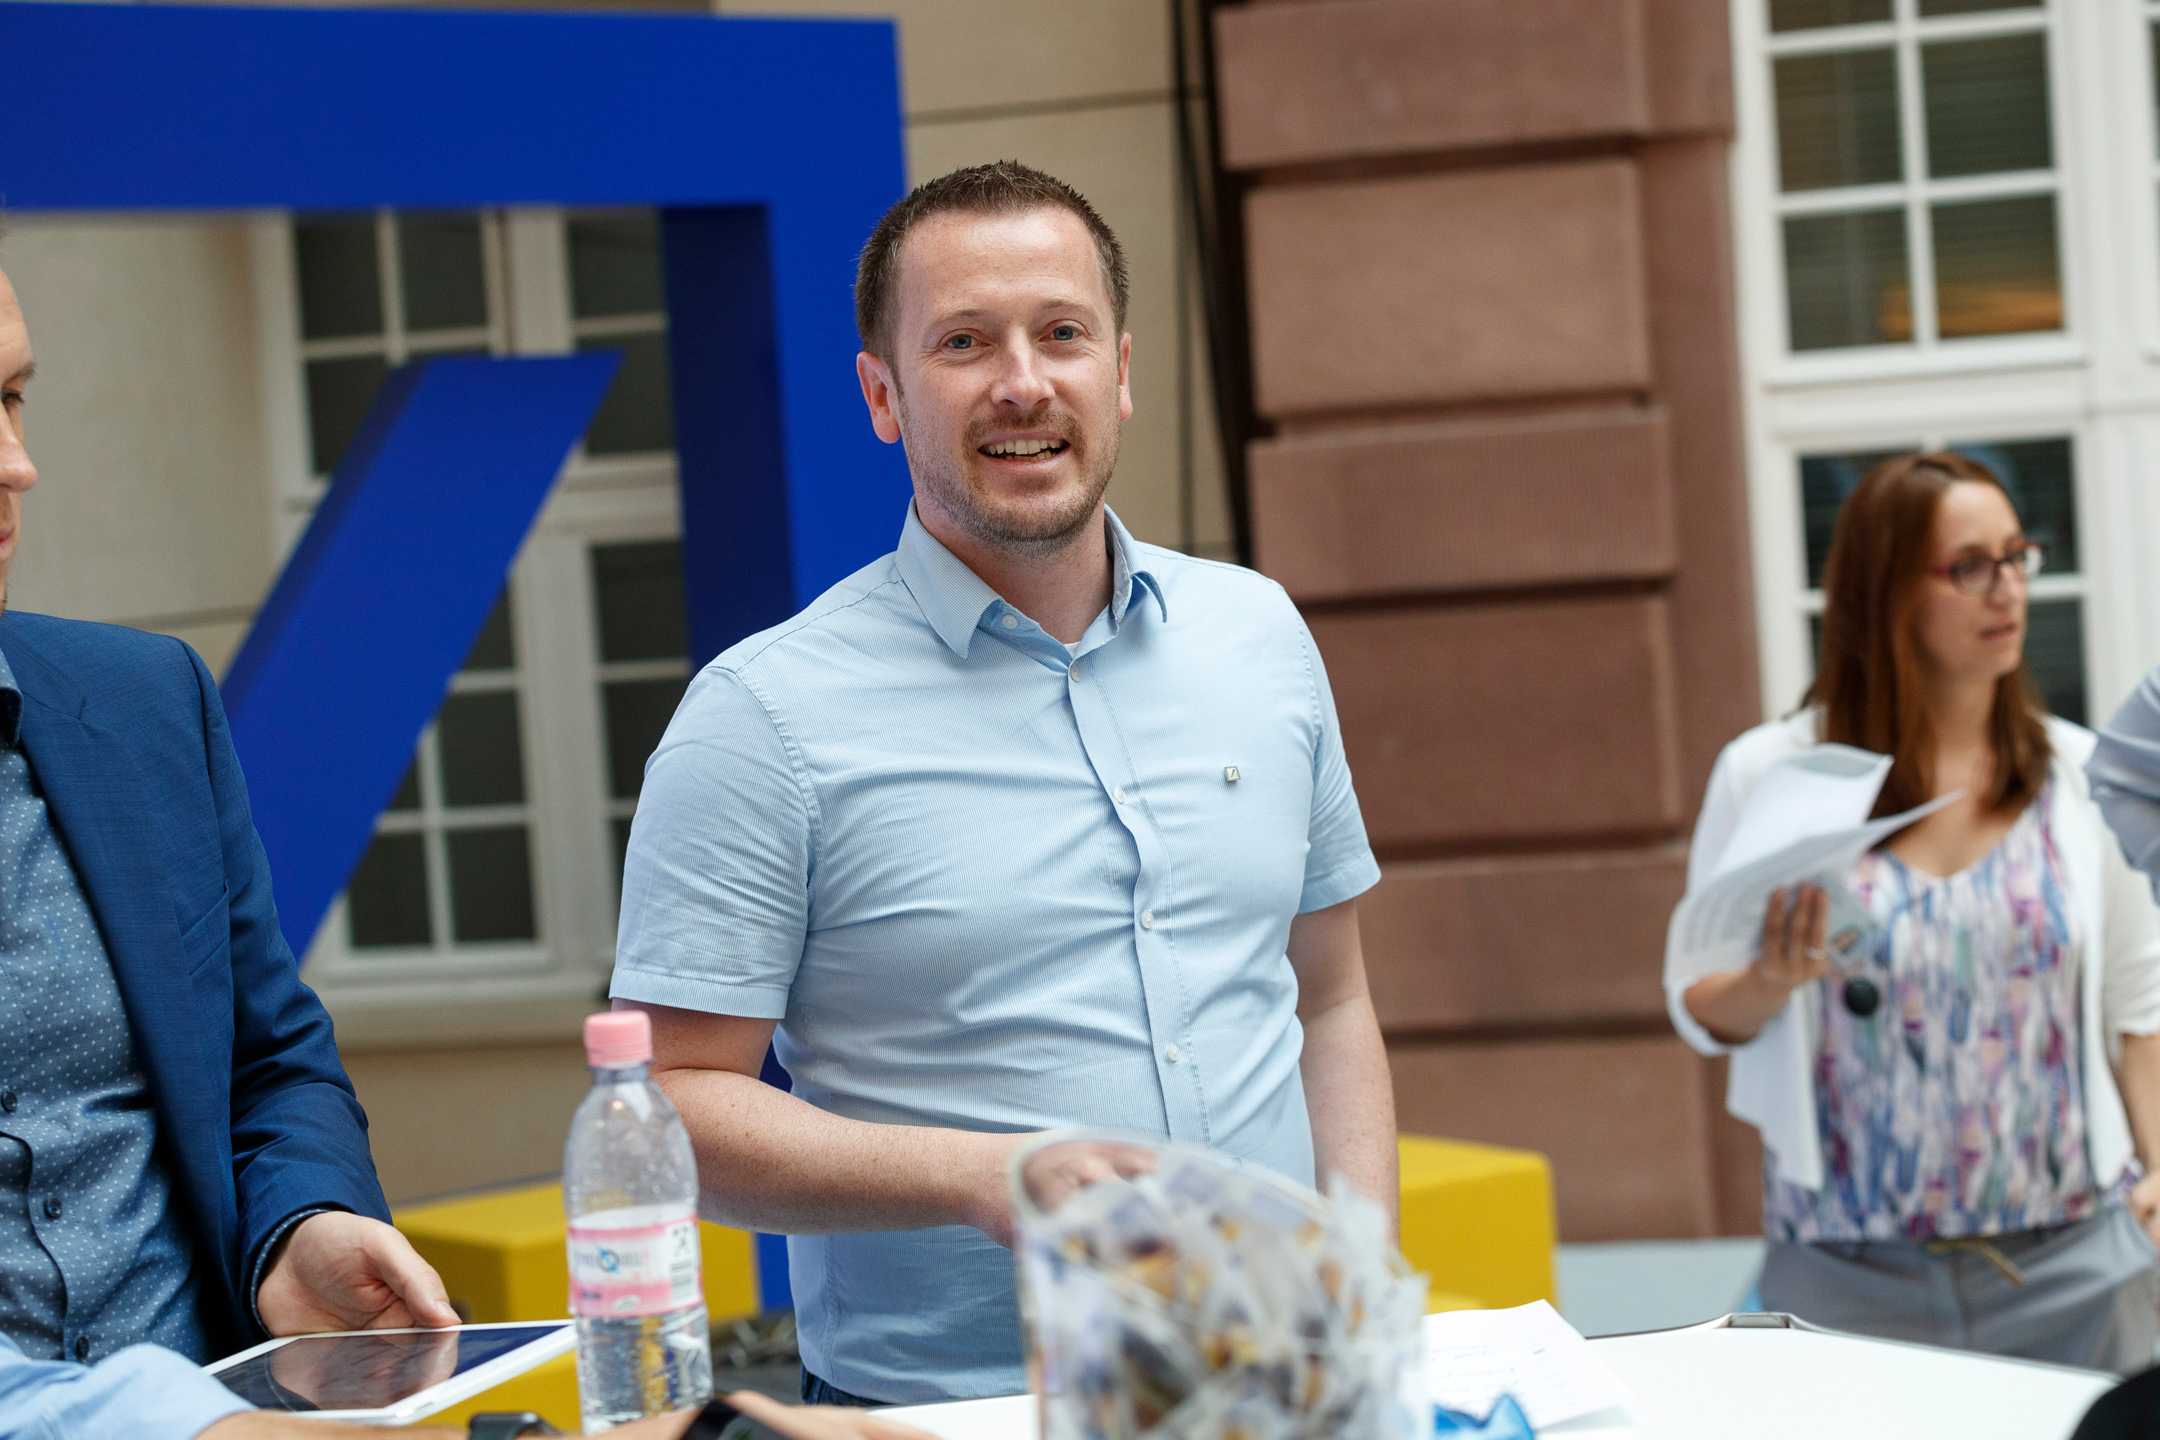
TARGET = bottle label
(650,1268)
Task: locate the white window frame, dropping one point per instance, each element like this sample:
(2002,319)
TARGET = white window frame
(1916,193)
(2096,383)
(511,991)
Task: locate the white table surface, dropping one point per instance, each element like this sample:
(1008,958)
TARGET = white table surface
(1714,1381)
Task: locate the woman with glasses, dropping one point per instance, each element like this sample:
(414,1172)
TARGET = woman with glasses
(1954,1123)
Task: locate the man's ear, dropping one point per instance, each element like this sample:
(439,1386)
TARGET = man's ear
(1124,376)
(881,394)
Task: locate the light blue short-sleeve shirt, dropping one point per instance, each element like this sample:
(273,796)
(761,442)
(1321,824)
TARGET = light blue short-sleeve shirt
(989,882)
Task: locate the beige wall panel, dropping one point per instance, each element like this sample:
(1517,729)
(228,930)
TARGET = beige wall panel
(153,499)
(1434,289)
(513,1109)
(1513,721)
(1522,940)
(1339,79)
(983,54)
(1624,1122)
(1540,500)
(1124,160)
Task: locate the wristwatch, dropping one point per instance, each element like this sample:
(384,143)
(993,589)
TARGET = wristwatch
(717,1420)
(507,1425)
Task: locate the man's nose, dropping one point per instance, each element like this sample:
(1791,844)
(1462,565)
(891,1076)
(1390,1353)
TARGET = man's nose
(16,471)
(1020,379)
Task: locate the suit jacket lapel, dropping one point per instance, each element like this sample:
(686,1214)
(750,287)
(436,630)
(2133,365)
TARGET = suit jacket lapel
(96,798)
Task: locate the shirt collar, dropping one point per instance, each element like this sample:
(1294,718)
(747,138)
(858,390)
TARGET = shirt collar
(11,703)
(957,602)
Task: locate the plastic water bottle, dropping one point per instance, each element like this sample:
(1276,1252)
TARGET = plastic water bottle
(637,1286)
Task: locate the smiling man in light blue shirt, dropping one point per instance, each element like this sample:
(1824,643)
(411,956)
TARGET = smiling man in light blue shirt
(1026,825)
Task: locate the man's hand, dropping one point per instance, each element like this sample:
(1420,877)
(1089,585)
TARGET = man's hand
(339,1271)
(1052,1174)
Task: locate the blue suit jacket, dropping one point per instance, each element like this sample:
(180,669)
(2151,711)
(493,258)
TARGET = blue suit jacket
(256,1119)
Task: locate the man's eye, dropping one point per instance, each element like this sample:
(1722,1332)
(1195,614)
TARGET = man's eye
(1065,332)
(960,342)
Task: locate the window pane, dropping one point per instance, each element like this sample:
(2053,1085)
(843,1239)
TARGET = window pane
(1995,267)
(638,712)
(481,759)
(2037,475)
(638,592)
(1846,280)
(1838,120)
(1813,14)
(615,265)
(445,278)
(340,286)
(387,902)
(491,894)
(408,790)
(1967,7)
(339,393)
(1987,105)
(494,650)
(2055,653)
(1825,482)
(637,414)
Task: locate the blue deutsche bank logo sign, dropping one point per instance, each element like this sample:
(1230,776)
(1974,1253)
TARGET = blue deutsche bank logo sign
(770,148)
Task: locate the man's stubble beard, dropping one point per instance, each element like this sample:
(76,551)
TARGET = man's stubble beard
(941,475)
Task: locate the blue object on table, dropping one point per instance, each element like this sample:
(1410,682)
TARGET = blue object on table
(1506,1422)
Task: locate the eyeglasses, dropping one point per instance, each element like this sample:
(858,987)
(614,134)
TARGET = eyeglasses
(1976,574)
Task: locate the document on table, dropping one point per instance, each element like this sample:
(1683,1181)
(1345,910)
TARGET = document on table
(1473,1357)
(1806,822)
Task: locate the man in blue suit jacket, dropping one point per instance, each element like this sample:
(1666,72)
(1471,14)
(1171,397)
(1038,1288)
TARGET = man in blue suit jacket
(182,1159)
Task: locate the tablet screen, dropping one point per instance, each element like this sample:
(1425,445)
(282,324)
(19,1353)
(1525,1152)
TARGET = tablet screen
(369,1372)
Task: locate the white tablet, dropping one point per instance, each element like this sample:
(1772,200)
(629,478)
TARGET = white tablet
(388,1377)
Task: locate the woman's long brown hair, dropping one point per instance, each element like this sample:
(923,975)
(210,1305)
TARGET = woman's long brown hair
(1868,680)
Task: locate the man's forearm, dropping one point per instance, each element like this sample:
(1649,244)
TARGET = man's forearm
(1351,1098)
(768,1161)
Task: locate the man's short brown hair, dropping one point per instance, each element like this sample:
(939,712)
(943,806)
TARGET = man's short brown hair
(1005,187)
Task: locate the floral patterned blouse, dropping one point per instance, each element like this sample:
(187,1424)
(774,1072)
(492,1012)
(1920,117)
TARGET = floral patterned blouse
(1958,1107)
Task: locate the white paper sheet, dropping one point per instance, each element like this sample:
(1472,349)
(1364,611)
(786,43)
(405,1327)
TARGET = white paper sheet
(1805,823)
(1473,1357)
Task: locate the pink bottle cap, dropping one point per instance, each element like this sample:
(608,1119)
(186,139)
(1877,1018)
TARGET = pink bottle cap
(618,1038)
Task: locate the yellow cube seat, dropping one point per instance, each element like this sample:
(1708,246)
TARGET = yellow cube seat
(502,1255)
(1478,1219)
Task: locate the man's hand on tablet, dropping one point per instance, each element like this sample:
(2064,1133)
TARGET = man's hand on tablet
(339,1271)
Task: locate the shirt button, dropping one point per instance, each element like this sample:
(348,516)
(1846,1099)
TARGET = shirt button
(1010,622)
(1074,670)
(52,1207)
(7,1101)
(82,1347)
(1171,1054)
(1147,919)
(1117,795)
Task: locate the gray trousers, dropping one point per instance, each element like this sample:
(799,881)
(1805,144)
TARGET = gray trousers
(2090,1297)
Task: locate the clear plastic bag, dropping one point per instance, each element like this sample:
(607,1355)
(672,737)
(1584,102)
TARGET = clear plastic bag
(1173,1293)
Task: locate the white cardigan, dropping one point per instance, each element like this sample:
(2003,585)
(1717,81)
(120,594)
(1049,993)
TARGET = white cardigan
(1772,1085)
